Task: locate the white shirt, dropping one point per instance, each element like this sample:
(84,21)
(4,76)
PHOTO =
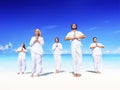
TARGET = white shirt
(75,42)
(97,50)
(21,54)
(57,49)
(37,47)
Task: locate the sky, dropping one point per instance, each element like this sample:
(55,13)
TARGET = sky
(19,19)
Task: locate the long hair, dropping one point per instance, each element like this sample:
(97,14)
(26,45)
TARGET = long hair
(24,46)
(57,39)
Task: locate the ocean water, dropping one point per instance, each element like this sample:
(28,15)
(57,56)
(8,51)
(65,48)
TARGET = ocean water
(8,62)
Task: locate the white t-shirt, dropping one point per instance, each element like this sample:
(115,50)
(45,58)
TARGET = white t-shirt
(37,47)
(97,50)
(58,49)
(75,42)
(21,54)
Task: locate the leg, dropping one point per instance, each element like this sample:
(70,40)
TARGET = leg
(99,63)
(23,66)
(79,60)
(74,62)
(57,58)
(20,65)
(33,56)
(38,64)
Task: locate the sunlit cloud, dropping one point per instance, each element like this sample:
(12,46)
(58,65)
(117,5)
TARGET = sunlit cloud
(50,27)
(92,28)
(6,47)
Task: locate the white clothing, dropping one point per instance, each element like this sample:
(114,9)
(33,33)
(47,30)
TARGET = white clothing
(58,49)
(37,47)
(75,42)
(36,54)
(76,50)
(21,59)
(97,56)
(36,63)
(97,62)
(57,58)
(97,50)
(57,55)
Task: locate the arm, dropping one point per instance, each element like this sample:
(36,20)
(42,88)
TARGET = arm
(99,46)
(41,41)
(81,37)
(24,50)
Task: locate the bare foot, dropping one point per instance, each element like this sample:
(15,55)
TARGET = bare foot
(18,73)
(78,75)
(32,75)
(37,75)
(98,72)
(57,71)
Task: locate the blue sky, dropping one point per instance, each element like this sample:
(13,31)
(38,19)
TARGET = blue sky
(19,18)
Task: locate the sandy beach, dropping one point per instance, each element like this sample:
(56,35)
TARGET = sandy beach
(107,80)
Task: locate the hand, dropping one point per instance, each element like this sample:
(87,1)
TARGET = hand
(74,38)
(56,45)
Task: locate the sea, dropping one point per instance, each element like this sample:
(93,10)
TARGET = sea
(9,62)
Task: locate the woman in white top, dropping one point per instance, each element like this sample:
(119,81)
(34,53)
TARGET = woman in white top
(75,37)
(97,54)
(57,50)
(22,58)
(36,44)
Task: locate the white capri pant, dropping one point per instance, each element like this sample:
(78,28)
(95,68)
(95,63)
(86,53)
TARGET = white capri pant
(57,58)
(77,59)
(97,62)
(22,64)
(36,63)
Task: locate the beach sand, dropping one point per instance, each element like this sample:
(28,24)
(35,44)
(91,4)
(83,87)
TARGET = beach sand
(107,80)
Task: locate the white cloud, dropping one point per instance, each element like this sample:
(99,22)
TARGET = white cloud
(66,51)
(6,47)
(92,28)
(50,27)
(116,51)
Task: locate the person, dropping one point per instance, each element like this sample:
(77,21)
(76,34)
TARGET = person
(36,44)
(97,54)
(22,58)
(57,50)
(75,37)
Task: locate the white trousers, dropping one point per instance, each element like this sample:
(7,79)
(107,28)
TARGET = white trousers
(57,58)
(97,62)
(77,59)
(21,64)
(36,63)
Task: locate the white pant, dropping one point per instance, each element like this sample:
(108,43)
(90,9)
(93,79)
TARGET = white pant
(36,63)
(97,62)
(77,59)
(57,58)
(22,64)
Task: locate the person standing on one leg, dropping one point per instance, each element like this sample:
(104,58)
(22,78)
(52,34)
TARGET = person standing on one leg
(75,37)
(22,58)
(97,54)
(57,49)
(36,44)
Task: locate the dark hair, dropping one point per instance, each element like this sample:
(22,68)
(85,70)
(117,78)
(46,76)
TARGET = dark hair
(57,39)
(24,46)
(72,25)
(94,38)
